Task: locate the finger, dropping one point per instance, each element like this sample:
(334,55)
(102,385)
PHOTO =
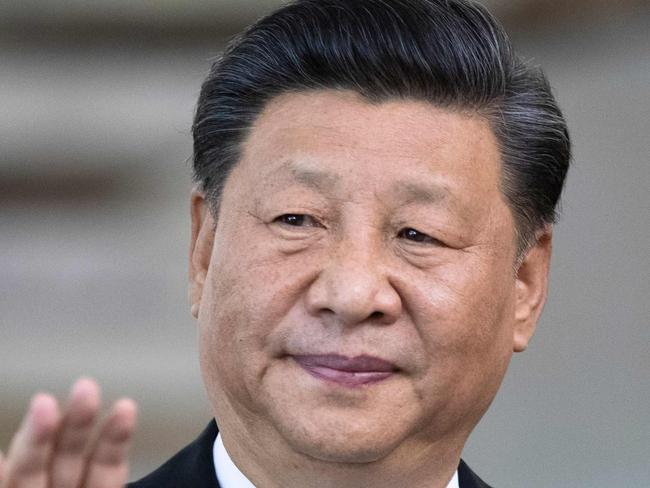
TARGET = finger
(108,464)
(27,461)
(68,460)
(2,467)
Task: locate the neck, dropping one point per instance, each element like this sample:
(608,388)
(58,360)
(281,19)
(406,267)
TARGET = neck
(270,462)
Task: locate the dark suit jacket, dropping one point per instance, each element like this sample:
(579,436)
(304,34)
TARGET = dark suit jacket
(193,467)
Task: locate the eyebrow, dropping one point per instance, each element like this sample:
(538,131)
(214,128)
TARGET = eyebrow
(416,192)
(320,180)
(408,191)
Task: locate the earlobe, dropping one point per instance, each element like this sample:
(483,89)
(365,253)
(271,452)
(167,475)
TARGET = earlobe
(532,285)
(201,243)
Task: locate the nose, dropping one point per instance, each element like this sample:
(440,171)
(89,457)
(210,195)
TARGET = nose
(354,287)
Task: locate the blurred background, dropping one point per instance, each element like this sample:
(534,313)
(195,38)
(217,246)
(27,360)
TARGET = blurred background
(96,102)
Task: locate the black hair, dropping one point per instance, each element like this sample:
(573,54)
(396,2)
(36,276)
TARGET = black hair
(451,53)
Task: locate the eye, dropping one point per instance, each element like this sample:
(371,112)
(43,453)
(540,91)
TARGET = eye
(297,220)
(413,235)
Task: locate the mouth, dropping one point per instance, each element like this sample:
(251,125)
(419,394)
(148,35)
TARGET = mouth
(345,371)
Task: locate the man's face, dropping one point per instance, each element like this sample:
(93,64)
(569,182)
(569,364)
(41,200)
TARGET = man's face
(359,297)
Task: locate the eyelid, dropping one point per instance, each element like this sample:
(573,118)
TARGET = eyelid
(429,240)
(313,221)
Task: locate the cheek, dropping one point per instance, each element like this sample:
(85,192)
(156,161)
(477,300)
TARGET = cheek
(228,329)
(464,315)
(465,331)
(247,294)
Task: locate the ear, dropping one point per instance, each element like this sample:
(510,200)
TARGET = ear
(532,286)
(201,243)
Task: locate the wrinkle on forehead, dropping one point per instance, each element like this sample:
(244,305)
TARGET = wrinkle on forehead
(311,175)
(399,152)
(401,131)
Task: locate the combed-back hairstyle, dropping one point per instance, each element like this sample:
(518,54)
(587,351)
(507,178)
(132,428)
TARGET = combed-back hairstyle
(450,53)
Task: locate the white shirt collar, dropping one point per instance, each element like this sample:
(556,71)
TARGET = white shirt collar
(229,475)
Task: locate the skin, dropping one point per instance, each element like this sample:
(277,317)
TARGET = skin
(70,446)
(347,228)
(358,229)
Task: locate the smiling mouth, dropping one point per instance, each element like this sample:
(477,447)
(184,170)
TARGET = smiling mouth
(350,372)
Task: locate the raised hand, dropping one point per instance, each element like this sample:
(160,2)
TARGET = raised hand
(70,448)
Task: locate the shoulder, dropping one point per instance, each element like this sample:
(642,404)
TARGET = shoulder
(193,466)
(468,479)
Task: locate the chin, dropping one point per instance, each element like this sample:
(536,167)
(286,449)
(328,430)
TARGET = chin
(344,453)
(338,424)
(339,442)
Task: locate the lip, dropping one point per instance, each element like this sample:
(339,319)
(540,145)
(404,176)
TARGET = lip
(345,371)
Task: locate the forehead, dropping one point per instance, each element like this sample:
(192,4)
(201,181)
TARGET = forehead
(327,138)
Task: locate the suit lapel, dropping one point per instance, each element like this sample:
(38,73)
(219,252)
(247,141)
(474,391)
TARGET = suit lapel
(468,479)
(191,467)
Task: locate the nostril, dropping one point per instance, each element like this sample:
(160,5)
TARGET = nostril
(376,316)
